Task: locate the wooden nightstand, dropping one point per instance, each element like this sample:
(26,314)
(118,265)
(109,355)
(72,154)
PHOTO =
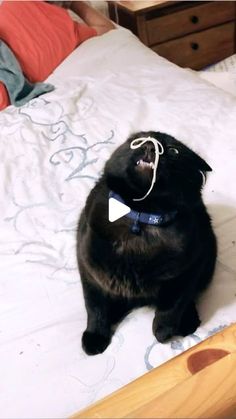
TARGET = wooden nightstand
(189,33)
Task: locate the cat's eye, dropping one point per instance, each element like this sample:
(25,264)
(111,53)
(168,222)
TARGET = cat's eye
(173,151)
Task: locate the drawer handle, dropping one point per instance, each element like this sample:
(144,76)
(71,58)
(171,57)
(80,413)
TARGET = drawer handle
(194,19)
(194,46)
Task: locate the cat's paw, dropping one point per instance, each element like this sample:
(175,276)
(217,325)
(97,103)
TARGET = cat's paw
(93,343)
(163,333)
(189,322)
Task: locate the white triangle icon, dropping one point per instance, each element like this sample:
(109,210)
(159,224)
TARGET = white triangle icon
(116,209)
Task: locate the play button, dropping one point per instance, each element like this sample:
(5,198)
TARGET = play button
(116,209)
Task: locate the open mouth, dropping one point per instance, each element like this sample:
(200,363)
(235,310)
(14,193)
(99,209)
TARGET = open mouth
(145,164)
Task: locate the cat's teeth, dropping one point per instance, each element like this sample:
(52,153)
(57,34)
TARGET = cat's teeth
(143,163)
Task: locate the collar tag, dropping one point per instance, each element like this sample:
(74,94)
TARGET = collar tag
(135,228)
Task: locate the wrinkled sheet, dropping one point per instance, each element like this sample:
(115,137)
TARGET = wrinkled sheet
(52,151)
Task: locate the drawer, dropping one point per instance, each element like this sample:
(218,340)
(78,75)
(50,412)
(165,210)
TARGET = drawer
(200,49)
(189,20)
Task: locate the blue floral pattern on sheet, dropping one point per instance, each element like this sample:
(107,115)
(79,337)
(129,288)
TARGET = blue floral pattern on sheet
(67,151)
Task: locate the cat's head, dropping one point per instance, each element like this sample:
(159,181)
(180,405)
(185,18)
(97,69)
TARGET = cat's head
(179,178)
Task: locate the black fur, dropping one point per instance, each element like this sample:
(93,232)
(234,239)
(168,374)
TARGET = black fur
(165,267)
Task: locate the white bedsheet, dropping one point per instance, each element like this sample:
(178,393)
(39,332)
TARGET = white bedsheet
(52,151)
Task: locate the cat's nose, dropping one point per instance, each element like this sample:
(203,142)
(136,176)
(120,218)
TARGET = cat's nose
(149,151)
(149,147)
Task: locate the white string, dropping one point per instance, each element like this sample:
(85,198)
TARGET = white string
(138,142)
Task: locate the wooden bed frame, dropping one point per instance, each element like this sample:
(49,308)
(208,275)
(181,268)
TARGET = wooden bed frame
(199,383)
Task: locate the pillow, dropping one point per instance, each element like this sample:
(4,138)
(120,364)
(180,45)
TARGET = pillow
(41,35)
(4,98)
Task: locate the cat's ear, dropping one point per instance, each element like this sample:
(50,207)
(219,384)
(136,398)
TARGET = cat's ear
(201,164)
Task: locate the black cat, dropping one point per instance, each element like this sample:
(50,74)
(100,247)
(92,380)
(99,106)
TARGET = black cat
(161,254)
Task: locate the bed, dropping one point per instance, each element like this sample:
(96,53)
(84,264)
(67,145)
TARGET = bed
(52,151)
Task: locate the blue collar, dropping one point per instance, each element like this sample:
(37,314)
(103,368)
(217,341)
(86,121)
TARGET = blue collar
(159,219)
